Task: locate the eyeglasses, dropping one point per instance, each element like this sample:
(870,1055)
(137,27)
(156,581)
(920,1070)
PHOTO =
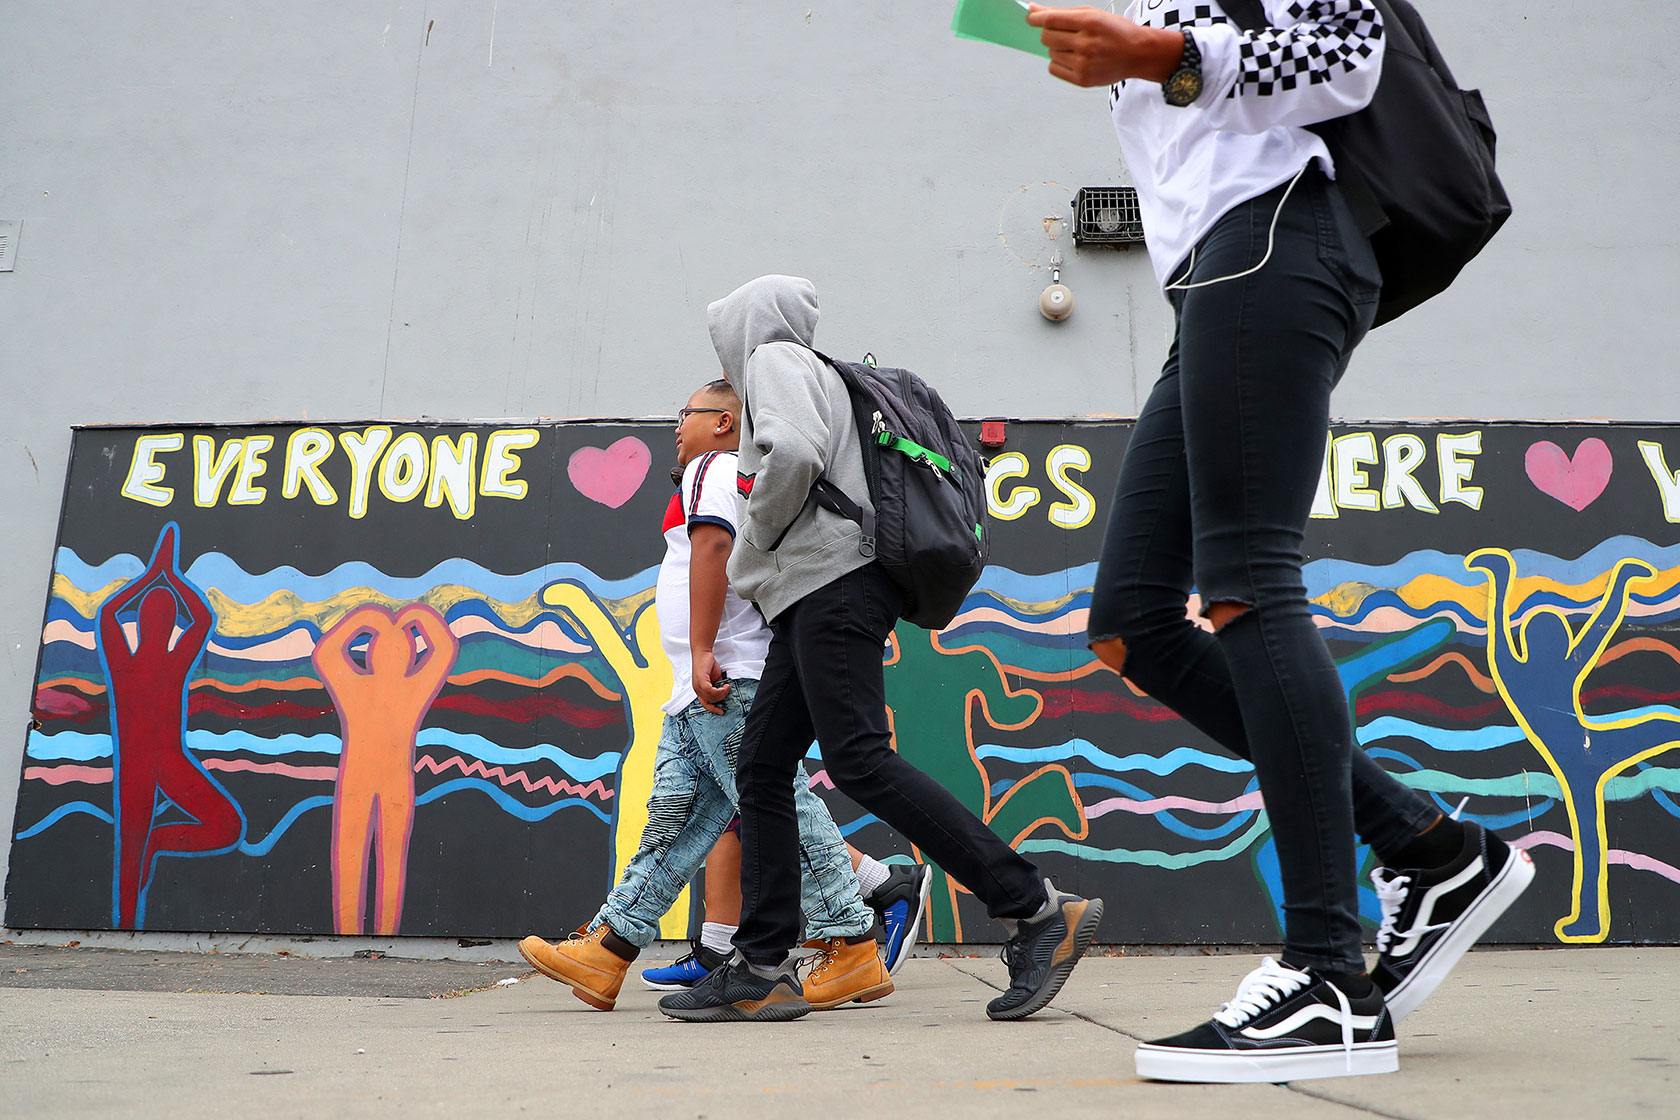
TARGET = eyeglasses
(685,413)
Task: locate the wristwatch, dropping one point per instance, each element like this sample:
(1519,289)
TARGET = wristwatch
(1185,84)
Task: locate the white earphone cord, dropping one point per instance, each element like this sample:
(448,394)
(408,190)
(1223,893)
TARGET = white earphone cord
(1271,238)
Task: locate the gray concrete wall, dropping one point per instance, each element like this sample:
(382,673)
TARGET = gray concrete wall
(499,208)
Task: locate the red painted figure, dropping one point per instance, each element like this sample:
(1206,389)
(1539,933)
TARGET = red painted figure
(148,705)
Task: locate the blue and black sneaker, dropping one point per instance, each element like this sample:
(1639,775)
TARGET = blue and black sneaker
(899,904)
(687,972)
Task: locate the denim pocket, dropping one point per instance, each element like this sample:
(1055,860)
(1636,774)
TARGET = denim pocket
(1343,250)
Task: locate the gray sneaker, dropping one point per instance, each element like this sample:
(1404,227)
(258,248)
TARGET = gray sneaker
(734,993)
(1041,954)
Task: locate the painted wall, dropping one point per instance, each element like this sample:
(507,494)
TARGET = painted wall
(457,209)
(415,680)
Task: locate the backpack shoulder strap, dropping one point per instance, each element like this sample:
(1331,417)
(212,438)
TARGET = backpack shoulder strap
(1249,15)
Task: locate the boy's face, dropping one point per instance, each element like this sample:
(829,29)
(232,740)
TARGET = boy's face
(707,423)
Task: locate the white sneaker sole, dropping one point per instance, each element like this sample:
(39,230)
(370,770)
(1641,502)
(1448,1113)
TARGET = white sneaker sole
(915,933)
(1232,1067)
(1428,973)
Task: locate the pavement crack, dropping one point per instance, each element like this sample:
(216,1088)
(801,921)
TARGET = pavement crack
(1064,1010)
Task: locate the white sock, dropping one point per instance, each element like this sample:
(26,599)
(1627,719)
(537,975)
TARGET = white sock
(718,937)
(871,873)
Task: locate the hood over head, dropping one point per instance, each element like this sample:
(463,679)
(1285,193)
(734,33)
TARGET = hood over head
(768,309)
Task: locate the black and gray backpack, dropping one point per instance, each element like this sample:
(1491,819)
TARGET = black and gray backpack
(928,487)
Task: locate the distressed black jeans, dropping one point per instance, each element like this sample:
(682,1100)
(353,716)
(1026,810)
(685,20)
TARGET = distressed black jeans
(1214,495)
(823,679)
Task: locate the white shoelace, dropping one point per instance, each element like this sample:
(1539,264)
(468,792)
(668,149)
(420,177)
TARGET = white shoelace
(1260,991)
(1266,986)
(1392,889)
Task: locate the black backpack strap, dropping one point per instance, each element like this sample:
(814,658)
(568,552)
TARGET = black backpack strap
(1246,14)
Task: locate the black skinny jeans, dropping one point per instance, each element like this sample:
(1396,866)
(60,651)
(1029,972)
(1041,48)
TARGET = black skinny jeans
(1214,493)
(823,679)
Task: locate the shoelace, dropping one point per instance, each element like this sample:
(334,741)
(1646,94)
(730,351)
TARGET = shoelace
(1266,986)
(1392,889)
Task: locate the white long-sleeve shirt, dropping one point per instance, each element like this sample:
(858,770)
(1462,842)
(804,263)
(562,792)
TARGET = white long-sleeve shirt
(1246,133)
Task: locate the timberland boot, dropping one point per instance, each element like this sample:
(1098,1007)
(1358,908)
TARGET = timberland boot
(845,973)
(584,961)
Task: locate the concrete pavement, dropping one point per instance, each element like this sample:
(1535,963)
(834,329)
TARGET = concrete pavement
(1520,1034)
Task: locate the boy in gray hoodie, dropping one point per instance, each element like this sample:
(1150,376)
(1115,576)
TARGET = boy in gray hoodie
(831,608)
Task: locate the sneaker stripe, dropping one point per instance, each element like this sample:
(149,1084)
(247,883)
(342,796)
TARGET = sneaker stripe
(1307,1015)
(1426,908)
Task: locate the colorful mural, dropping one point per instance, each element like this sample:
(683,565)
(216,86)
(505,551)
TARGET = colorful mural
(392,679)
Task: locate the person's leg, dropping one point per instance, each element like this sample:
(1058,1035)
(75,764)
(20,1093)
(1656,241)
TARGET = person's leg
(1259,354)
(837,638)
(687,812)
(778,732)
(1138,599)
(829,892)
(723,880)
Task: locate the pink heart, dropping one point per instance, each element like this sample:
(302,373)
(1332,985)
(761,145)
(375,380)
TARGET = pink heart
(1576,483)
(610,476)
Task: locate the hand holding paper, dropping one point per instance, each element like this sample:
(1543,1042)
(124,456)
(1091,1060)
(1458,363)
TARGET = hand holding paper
(1003,22)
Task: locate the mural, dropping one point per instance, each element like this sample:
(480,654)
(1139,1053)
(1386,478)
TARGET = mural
(406,680)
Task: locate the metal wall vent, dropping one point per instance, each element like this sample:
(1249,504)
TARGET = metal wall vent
(1107,216)
(8,244)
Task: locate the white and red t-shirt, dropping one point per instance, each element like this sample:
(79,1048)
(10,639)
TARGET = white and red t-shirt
(707,497)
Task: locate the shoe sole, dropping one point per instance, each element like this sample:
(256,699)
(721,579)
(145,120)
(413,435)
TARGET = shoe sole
(600,1003)
(1231,1067)
(1082,932)
(914,926)
(1421,982)
(668,985)
(779,1012)
(865,996)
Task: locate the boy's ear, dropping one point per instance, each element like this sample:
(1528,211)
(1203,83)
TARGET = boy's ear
(726,422)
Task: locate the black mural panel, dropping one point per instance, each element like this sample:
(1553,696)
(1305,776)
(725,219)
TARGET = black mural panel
(219,740)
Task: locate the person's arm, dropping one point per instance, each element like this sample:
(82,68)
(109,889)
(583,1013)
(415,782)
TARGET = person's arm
(202,619)
(1612,607)
(441,642)
(708,583)
(790,428)
(1321,59)
(1091,47)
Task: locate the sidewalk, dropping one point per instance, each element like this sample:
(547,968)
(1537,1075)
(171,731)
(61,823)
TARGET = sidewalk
(1523,1034)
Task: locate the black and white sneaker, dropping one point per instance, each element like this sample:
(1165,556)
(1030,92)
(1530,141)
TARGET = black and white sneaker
(1041,954)
(734,993)
(1284,1024)
(1430,918)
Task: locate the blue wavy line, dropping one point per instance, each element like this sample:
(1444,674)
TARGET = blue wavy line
(1159,765)
(60,813)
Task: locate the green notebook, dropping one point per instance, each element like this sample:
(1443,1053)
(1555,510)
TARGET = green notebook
(1003,22)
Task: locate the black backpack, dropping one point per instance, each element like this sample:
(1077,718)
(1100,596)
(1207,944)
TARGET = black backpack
(1415,165)
(928,487)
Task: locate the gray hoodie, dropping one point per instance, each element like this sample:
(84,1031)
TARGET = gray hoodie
(796,427)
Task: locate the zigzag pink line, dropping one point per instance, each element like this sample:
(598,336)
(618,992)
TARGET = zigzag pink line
(476,767)
(1156,804)
(1636,860)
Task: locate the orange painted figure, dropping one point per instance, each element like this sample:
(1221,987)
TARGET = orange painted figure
(148,693)
(381,697)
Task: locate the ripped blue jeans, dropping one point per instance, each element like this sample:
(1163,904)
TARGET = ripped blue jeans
(693,801)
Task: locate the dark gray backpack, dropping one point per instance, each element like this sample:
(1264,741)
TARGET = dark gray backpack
(928,487)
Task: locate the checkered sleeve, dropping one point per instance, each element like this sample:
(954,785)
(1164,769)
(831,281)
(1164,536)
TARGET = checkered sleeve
(1320,59)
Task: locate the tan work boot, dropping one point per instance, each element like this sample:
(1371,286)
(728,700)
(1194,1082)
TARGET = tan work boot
(845,974)
(594,971)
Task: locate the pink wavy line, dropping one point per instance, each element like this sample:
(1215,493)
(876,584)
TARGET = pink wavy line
(1636,860)
(284,769)
(1246,802)
(476,767)
(59,775)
